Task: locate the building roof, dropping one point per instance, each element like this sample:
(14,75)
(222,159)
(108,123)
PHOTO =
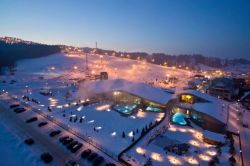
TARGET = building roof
(222,82)
(215,107)
(139,89)
(214,136)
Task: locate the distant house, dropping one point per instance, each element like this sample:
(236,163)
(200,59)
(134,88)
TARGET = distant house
(104,76)
(223,88)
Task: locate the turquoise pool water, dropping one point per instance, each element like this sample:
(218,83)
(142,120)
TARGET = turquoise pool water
(153,109)
(124,108)
(179,118)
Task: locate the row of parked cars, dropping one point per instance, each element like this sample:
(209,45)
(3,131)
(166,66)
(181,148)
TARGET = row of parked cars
(17,109)
(71,144)
(92,157)
(67,141)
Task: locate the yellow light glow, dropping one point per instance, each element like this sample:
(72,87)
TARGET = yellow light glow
(194,143)
(204,157)
(141,114)
(192,161)
(139,150)
(156,157)
(102,107)
(173,160)
(211,152)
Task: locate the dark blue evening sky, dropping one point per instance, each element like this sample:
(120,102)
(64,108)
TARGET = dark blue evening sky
(211,27)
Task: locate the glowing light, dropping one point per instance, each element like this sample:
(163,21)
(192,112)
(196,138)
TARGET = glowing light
(133,117)
(91,121)
(183,130)
(172,128)
(204,157)
(75,67)
(141,114)
(103,107)
(194,143)
(173,160)
(79,108)
(211,152)
(59,106)
(193,161)
(130,134)
(113,134)
(98,128)
(66,105)
(156,157)
(139,150)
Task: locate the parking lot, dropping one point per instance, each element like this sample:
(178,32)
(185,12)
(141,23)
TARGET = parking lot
(28,123)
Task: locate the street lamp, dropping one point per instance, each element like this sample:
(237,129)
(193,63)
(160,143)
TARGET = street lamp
(101,56)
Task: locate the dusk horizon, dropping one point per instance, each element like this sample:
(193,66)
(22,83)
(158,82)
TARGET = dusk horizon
(211,28)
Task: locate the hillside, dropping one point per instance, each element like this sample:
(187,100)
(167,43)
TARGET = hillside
(18,49)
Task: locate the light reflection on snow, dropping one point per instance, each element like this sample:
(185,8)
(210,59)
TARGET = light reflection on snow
(102,107)
(130,134)
(91,121)
(113,134)
(79,108)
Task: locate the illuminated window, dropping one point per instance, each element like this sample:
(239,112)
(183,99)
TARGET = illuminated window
(187,99)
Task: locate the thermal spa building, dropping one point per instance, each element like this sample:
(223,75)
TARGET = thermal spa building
(127,95)
(204,110)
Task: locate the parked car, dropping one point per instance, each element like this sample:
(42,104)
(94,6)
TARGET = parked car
(29,141)
(54,133)
(72,163)
(92,156)
(76,147)
(14,105)
(42,124)
(46,157)
(31,120)
(63,138)
(98,161)
(67,141)
(19,110)
(86,153)
(69,146)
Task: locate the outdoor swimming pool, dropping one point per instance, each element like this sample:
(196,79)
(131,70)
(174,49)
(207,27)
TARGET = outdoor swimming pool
(124,108)
(179,118)
(153,109)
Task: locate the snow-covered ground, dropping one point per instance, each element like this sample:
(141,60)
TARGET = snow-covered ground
(61,73)
(14,151)
(199,152)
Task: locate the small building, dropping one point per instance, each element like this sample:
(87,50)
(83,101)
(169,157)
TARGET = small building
(213,138)
(223,88)
(104,76)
